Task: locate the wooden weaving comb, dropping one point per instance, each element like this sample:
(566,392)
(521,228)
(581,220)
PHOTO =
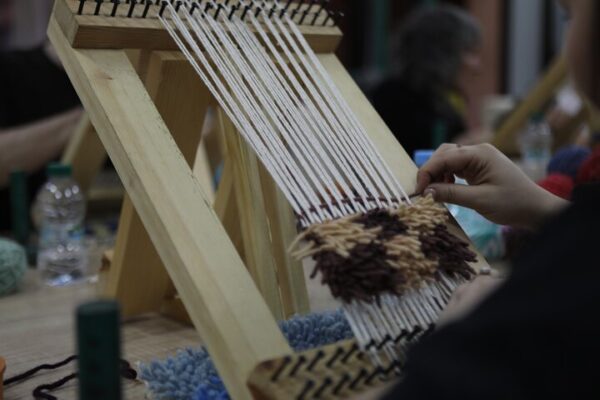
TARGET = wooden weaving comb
(147,105)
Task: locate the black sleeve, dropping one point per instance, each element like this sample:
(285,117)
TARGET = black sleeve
(32,88)
(538,336)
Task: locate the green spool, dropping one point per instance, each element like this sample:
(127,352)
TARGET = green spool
(13,264)
(98,347)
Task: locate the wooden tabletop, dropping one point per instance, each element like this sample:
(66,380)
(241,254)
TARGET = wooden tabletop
(37,326)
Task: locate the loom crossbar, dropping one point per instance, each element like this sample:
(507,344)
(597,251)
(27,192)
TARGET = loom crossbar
(89,31)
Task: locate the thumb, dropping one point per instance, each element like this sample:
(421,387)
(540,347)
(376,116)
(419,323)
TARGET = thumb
(462,195)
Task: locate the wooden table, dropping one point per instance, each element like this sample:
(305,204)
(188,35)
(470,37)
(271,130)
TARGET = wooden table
(37,326)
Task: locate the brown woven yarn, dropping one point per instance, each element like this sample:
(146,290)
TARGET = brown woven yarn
(363,256)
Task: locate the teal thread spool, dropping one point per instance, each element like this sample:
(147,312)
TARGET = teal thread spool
(13,263)
(98,347)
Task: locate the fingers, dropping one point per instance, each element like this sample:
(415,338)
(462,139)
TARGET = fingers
(462,195)
(448,160)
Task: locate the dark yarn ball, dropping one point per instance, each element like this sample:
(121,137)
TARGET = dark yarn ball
(558,184)
(589,171)
(567,160)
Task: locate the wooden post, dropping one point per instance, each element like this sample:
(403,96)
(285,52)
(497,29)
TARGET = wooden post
(282,223)
(252,213)
(85,153)
(505,138)
(224,304)
(182,101)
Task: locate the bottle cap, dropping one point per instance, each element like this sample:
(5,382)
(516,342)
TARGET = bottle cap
(422,156)
(58,170)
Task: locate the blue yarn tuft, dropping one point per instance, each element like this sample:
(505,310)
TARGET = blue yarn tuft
(190,374)
(567,160)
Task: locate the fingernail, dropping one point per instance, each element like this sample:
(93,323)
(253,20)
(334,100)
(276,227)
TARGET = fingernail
(429,192)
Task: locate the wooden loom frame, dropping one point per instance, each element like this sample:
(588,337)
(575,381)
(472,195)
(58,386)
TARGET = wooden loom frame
(540,95)
(148,131)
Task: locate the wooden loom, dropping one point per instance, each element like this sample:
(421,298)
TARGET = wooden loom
(538,99)
(147,107)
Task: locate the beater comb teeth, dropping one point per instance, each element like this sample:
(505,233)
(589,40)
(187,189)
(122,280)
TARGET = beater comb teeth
(334,371)
(301,13)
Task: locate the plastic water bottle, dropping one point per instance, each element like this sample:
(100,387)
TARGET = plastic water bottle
(536,147)
(60,209)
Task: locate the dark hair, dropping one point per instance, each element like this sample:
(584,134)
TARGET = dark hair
(432,44)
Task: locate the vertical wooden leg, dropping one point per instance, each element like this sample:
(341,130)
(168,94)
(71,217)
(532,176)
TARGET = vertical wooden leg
(85,153)
(225,305)
(203,172)
(137,277)
(225,206)
(282,223)
(182,101)
(252,215)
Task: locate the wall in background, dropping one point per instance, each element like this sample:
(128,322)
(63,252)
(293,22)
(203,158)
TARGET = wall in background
(525,41)
(491,16)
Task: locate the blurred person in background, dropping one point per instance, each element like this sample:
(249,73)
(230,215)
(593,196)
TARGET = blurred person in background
(39,108)
(424,101)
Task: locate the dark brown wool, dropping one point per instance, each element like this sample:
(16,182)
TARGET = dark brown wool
(384,251)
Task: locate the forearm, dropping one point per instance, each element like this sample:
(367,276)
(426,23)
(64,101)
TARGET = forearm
(547,207)
(30,147)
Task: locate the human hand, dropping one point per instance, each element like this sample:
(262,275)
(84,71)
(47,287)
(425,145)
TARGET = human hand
(497,189)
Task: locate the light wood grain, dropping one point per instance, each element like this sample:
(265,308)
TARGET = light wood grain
(137,277)
(505,139)
(223,301)
(181,100)
(37,326)
(225,207)
(102,32)
(85,154)
(251,207)
(282,224)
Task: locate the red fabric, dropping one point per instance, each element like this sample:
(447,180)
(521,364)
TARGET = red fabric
(590,169)
(558,184)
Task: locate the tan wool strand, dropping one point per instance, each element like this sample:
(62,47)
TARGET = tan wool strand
(403,251)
